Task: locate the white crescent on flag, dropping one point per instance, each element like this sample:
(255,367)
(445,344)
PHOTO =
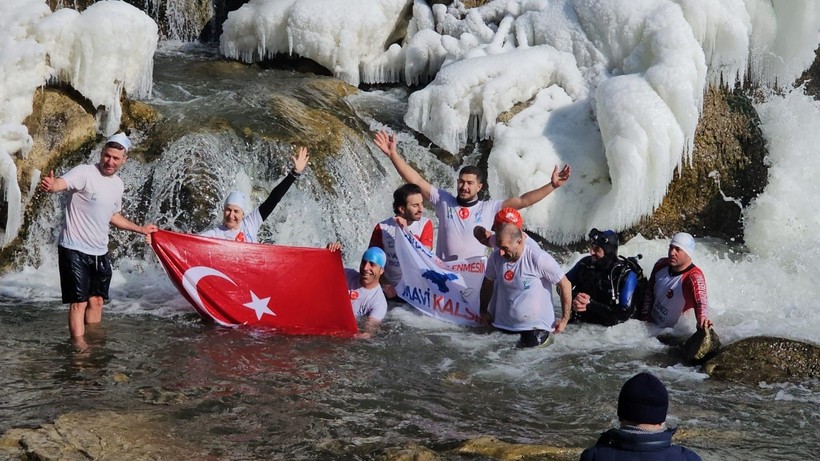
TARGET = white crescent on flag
(191,278)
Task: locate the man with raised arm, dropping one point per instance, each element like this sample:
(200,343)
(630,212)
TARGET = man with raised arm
(458,215)
(407,209)
(675,286)
(94,202)
(516,295)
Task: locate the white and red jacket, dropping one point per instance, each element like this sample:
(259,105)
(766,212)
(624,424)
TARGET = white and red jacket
(670,294)
(384,237)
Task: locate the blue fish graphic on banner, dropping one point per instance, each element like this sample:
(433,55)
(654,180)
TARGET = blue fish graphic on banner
(448,291)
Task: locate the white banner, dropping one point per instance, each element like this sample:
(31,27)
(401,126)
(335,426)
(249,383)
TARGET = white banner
(448,291)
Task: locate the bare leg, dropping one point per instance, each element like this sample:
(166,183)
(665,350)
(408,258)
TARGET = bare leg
(76,319)
(94,312)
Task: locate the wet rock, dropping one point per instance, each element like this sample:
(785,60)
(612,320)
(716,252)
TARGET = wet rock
(410,453)
(766,359)
(491,446)
(61,122)
(701,346)
(101,435)
(729,149)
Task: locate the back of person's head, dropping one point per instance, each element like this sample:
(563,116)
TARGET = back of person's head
(607,240)
(643,400)
(508,215)
(400,195)
(472,169)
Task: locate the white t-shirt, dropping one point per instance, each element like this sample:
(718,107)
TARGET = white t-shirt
(456,223)
(249,226)
(522,290)
(384,237)
(92,201)
(366,302)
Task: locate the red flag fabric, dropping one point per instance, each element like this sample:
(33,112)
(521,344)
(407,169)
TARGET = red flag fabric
(293,289)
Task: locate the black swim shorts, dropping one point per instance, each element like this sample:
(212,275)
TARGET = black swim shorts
(83,276)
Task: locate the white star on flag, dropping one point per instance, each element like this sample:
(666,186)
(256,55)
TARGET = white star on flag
(260,306)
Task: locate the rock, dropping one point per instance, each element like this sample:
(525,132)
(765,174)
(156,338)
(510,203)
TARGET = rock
(413,452)
(729,147)
(701,346)
(492,447)
(61,122)
(98,435)
(766,359)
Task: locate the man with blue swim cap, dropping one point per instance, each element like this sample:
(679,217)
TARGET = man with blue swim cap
(366,295)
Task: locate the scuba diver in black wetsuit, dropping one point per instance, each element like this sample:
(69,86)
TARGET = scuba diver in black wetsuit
(605,287)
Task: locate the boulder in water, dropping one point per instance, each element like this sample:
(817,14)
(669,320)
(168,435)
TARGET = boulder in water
(761,358)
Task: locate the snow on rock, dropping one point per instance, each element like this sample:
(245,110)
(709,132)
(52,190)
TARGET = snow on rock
(348,38)
(107,48)
(102,51)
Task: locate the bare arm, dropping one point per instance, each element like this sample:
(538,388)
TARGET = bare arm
(565,293)
(558,179)
(51,184)
(387,144)
(121,222)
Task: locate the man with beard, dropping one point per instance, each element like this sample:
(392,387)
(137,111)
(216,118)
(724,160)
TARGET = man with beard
(366,296)
(458,216)
(516,295)
(603,285)
(408,209)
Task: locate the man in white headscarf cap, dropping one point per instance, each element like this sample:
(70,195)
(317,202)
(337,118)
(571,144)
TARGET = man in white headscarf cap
(676,285)
(239,224)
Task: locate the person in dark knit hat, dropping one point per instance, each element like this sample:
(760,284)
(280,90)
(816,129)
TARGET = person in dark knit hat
(604,286)
(642,436)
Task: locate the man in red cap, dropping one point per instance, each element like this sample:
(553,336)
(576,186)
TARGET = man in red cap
(504,216)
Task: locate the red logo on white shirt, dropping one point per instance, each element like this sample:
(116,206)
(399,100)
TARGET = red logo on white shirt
(354,295)
(463,213)
(508,275)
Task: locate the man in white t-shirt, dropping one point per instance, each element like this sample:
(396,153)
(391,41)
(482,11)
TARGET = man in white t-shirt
(241,227)
(94,202)
(459,215)
(366,296)
(408,209)
(516,295)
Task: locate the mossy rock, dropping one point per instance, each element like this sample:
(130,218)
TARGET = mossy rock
(766,359)
(729,149)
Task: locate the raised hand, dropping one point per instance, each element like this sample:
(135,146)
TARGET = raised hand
(300,160)
(559,178)
(386,142)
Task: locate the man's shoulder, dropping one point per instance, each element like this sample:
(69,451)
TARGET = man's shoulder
(660,264)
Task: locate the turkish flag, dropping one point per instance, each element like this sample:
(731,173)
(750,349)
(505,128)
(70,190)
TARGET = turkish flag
(293,289)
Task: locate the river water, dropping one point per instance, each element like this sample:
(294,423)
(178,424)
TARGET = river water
(253,394)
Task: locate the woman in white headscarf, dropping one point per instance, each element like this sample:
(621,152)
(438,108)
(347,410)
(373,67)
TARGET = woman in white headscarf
(241,226)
